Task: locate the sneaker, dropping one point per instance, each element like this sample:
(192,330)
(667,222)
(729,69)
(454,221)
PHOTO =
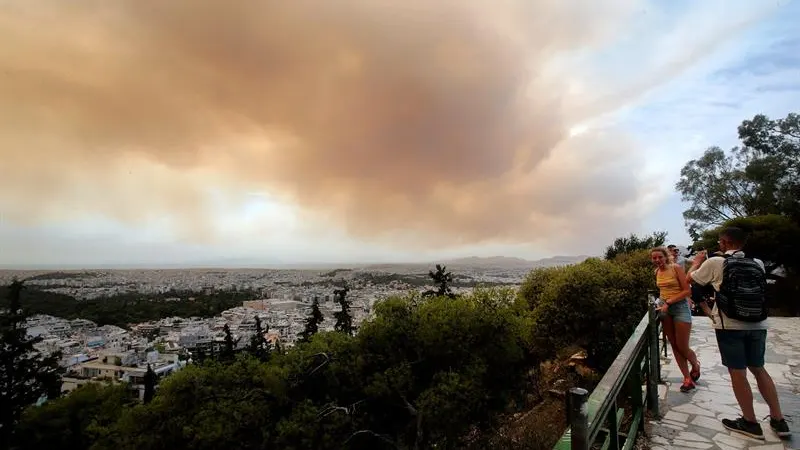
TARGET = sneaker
(780,427)
(687,386)
(751,429)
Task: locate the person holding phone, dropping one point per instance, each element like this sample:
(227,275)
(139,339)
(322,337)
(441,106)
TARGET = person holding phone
(674,291)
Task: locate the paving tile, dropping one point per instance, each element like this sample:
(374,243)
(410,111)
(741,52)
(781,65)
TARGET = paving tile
(682,426)
(676,416)
(692,420)
(689,436)
(692,444)
(707,422)
(726,447)
(768,447)
(731,441)
(694,410)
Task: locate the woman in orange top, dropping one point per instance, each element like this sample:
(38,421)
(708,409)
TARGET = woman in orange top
(673,291)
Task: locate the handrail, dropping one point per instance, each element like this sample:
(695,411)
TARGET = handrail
(587,414)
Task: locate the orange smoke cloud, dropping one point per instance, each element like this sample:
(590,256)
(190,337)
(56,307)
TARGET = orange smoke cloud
(446,119)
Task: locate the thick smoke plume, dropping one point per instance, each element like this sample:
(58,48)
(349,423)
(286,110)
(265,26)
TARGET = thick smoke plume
(445,119)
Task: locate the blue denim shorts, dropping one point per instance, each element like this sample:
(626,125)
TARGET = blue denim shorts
(741,349)
(680,312)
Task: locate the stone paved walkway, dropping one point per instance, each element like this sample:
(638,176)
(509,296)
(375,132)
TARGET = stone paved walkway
(692,421)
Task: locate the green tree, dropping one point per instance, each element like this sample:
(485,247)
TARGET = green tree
(442,280)
(259,347)
(26,375)
(594,305)
(759,178)
(344,320)
(76,421)
(634,243)
(228,352)
(150,379)
(775,166)
(313,321)
(240,405)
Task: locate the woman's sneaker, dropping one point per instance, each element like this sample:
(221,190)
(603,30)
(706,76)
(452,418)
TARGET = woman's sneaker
(780,427)
(740,425)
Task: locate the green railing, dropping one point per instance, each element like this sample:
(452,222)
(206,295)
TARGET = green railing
(596,418)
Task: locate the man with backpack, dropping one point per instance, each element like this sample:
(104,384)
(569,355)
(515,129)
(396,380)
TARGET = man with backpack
(740,322)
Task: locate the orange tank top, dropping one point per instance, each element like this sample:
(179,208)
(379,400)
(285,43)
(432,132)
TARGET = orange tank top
(667,282)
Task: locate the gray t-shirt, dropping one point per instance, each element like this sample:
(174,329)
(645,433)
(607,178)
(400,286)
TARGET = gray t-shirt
(710,272)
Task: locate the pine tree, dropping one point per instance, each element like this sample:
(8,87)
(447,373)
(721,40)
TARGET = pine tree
(312,322)
(149,385)
(229,348)
(259,347)
(344,321)
(26,375)
(442,279)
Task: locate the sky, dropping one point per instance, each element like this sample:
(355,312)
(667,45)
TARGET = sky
(199,132)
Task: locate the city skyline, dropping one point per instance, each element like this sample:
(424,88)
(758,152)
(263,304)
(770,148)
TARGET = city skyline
(523,129)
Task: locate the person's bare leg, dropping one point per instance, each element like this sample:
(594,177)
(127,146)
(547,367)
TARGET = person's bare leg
(767,388)
(743,393)
(683,331)
(680,360)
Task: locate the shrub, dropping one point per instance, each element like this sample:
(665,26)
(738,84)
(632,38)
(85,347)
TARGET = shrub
(595,305)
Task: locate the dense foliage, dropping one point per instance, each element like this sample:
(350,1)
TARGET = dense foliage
(594,305)
(633,243)
(125,309)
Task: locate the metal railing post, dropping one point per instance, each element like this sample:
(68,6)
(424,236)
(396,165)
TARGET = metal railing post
(579,418)
(635,390)
(654,362)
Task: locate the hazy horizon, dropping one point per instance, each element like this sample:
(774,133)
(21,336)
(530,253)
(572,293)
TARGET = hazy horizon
(239,264)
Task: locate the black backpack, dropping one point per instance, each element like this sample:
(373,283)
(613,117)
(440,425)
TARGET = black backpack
(743,293)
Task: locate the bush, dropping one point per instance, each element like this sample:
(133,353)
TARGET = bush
(595,305)
(75,421)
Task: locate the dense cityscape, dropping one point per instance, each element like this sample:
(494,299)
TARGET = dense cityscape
(280,300)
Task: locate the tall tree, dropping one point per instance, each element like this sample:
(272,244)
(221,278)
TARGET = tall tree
(441,279)
(150,378)
(344,320)
(776,166)
(259,347)
(312,322)
(229,347)
(759,178)
(634,243)
(26,375)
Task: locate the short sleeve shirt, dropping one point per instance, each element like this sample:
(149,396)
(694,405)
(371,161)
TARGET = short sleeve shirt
(710,272)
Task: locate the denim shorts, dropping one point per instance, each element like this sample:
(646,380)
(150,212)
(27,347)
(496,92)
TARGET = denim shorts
(680,312)
(741,349)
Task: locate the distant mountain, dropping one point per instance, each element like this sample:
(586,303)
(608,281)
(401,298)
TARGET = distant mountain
(479,262)
(507,262)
